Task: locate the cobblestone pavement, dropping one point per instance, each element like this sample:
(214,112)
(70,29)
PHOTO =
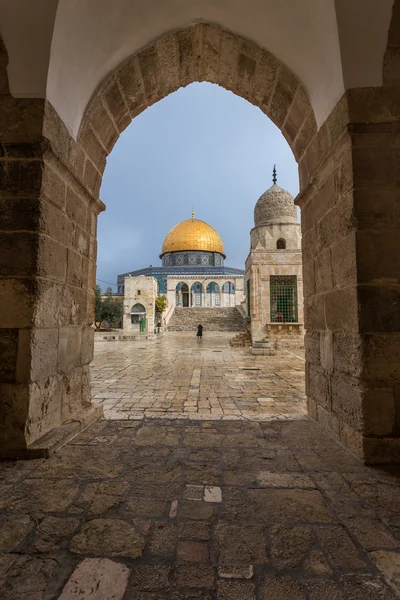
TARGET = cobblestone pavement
(180,377)
(249,507)
(172,509)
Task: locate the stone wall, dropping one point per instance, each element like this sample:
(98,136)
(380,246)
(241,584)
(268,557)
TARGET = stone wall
(260,265)
(140,290)
(349,181)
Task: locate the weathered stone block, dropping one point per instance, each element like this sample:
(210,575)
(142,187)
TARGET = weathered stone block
(102,123)
(318,385)
(285,89)
(210,53)
(44,408)
(344,261)
(37,354)
(21,119)
(312,347)
(348,353)
(87,345)
(309,277)
(381,354)
(92,147)
(69,348)
(328,420)
(378,308)
(18,254)
(168,58)
(132,86)
(377,254)
(53,186)
(347,399)
(92,177)
(341,309)
(115,103)
(379,411)
(314,312)
(227,59)
(71,393)
(19,214)
(17,301)
(74,269)
(76,207)
(54,223)
(323,271)
(150,70)
(8,354)
(327,350)
(52,259)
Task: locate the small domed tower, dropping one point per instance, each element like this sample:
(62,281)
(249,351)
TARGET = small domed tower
(275,221)
(274,280)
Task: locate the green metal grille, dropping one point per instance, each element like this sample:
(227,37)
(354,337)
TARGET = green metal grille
(283,292)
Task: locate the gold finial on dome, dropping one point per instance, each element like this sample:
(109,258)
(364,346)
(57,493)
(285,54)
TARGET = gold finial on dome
(192,214)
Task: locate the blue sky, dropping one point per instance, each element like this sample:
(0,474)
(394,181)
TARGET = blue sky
(200,147)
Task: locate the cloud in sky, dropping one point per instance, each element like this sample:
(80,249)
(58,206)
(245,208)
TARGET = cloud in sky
(200,147)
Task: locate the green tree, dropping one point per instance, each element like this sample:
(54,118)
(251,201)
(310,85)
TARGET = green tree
(161,303)
(98,304)
(112,310)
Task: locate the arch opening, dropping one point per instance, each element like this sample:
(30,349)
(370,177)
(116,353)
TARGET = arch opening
(281,244)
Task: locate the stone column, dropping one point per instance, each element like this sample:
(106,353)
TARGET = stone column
(351,270)
(47,269)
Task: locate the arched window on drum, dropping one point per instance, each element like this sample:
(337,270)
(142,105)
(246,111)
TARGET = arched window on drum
(281,244)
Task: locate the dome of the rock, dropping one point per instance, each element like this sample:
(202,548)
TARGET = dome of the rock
(193,234)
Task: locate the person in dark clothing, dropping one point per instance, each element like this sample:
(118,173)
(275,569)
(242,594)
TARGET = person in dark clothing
(200,331)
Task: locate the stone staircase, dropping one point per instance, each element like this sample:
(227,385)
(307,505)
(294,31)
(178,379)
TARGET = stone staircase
(241,340)
(212,319)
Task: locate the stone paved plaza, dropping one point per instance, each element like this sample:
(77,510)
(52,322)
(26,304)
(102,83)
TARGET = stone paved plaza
(248,507)
(179,376)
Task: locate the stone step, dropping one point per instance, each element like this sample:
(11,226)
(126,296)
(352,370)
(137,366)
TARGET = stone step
(212,319)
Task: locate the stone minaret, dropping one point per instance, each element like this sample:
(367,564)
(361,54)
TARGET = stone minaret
(274,280)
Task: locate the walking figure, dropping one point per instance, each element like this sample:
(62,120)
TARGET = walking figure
(199,331)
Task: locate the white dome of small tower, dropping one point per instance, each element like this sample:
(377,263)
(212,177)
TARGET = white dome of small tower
(276,204)
(275,220)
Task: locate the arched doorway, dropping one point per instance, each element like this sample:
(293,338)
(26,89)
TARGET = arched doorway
(355,300)
(228,294)
(138,317)
(213,294)
(182,294)
(196,294)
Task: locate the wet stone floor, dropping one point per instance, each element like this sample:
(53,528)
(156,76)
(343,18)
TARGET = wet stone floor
(178,376)
(201,508)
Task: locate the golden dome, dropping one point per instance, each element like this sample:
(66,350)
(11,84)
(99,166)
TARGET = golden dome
(193,234)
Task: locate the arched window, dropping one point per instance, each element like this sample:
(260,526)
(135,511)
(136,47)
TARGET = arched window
(213,294)
(138,316)
(182,294)
(281,244)
(196,293)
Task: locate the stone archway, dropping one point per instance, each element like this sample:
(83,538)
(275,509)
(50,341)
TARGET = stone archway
(49,251)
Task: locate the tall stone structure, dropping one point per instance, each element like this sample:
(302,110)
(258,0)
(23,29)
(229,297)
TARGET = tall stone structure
(274,280)
(139,304)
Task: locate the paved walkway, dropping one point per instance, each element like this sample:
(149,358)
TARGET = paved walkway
(179,376)
(215,509)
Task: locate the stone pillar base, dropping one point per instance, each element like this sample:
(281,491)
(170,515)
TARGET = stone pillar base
(56,438)
(262,349)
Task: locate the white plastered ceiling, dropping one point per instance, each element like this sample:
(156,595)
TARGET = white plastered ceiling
(63,49)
